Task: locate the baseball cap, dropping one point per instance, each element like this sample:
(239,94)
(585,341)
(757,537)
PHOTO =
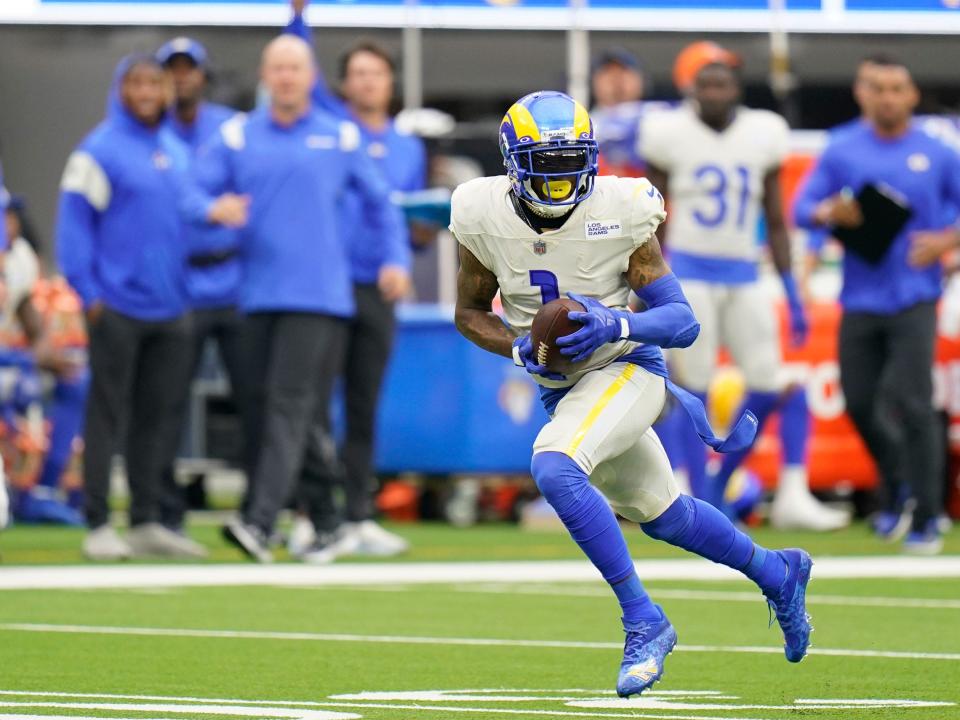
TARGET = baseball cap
(617,56)
(183,46)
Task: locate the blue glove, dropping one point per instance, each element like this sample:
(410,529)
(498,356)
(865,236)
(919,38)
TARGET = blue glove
(799,327)
(601,325)
(523,357)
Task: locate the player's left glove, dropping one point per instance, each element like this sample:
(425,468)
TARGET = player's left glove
(523,357)
(799,327)
(601,325)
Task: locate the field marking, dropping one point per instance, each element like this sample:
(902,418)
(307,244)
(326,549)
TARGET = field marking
(655,701)
(549,713)
(711,595)
(400,573)
(234,710)
(458,641)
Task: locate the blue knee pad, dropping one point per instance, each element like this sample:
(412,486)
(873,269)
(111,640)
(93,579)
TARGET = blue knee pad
(584,513)
(559,479)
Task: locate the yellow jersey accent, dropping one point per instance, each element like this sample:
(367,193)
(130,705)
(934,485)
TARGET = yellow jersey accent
(581,121)
(523,123)
(608,394)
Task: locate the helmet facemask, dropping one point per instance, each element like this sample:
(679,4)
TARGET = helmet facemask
(552,177)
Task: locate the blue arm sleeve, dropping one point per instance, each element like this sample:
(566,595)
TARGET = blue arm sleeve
(820,184)
(668,320)
(321,95)
(76,232)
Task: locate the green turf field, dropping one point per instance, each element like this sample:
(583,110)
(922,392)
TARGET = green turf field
(470,650)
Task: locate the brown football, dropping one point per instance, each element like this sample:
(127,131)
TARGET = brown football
(551,323)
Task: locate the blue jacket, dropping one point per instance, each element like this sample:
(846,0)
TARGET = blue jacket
(291,251)
(925,171)
(401,160)
(212,272)
(119,235)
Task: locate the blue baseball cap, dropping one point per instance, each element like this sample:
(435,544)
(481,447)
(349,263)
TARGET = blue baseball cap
(183,46)
(617,56)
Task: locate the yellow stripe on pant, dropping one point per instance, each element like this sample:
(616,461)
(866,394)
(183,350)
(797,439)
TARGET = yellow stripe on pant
(608,394)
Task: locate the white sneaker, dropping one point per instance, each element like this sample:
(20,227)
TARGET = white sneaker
(374,540)
(105,544)
(155,539)
(802,511)
(302,535)
(327,547)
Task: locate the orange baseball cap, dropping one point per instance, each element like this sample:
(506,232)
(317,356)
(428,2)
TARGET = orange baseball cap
(693,58)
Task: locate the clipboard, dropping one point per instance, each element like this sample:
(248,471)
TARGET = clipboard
(885,213)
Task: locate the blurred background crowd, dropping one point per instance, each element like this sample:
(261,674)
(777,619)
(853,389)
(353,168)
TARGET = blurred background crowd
(240,295)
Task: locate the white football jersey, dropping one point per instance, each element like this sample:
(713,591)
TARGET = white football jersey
(715,178)
(588,255)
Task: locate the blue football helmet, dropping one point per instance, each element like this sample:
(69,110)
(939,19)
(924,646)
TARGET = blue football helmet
(549,151)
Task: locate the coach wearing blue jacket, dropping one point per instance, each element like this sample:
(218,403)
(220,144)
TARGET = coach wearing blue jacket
(120,245)
(295,165)
(380,264)
(888,331)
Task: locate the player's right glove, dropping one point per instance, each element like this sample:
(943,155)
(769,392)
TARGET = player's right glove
(523,357)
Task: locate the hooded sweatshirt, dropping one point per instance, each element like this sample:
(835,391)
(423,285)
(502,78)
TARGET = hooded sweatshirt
(292,251)
(212,273)
(119,233)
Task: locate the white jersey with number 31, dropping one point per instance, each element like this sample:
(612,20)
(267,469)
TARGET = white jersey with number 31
(588,255)
(716,178)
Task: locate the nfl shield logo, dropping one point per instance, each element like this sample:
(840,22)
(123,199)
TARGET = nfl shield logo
(539,247)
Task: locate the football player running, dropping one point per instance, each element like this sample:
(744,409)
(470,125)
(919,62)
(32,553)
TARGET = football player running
(719,163)
(550,226)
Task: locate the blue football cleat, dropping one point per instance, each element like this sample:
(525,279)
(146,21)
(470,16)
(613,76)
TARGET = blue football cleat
(644,652)
(789,604)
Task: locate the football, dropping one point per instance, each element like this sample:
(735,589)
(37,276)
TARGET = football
(550,323)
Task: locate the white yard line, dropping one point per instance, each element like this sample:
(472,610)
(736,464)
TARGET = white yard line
(419,640)
(400,573)
(548,713)
(709,595)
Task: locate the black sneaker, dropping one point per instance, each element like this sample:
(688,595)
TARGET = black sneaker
(250,539)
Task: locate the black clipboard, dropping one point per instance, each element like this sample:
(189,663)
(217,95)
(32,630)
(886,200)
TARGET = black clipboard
(885,212)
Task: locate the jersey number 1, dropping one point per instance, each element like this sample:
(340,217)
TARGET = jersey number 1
(547,282)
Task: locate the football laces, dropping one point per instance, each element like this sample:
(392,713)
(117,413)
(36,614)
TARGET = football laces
(542,350)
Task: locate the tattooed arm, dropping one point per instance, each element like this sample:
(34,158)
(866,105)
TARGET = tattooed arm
(476,288)
(646,265)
